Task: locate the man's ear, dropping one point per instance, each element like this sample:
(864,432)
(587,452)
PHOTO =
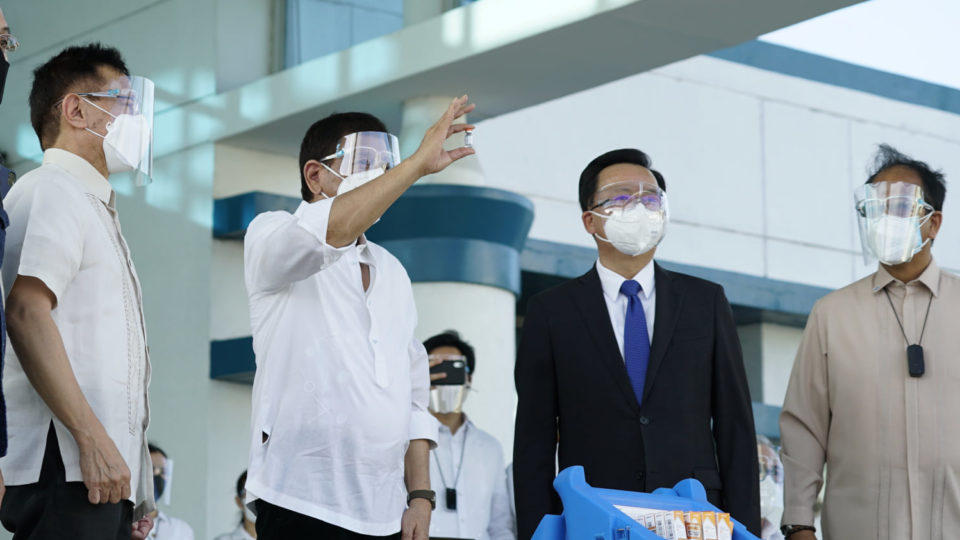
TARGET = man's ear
(933,226)
(591,223)
(72,113)
(313,173)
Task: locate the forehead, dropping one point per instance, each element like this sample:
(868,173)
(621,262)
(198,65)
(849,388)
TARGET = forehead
(899,173)
(112,78)
(624,171)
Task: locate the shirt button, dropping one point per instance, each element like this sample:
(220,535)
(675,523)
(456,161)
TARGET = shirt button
(644,420)
(639,476)
(375,341)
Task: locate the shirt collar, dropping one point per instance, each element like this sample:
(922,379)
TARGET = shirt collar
(466,422)
(611,281)
(930,278)
(90,178)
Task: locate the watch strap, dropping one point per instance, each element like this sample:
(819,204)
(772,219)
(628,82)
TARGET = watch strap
(788,530)
(423,494)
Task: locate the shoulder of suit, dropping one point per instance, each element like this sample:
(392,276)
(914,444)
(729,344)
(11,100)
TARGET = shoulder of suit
(688,282)
(565,288)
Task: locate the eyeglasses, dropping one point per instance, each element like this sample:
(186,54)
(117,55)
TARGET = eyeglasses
(651,201)
(893,206)
(128,98)
(8,42)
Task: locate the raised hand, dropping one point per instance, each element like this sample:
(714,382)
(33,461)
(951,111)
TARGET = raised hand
(431,157)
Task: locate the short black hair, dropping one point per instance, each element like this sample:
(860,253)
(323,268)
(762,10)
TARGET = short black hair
(61,75)
(154,448)
(451,338)
(321,139)
(588,178)
(241,483)
(934,182)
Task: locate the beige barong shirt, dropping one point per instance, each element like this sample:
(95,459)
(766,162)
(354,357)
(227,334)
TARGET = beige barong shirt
(890,442)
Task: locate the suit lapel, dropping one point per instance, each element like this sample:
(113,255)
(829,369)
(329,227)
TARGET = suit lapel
(593,307)
(665,319)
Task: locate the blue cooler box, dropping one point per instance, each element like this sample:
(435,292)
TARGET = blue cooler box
(590,513)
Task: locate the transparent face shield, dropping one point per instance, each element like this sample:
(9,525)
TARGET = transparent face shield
(128,143)
(890,216)
(635,215)
(364,151)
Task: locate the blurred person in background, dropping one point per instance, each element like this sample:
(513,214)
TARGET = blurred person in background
(466,467)
(771,489)
(165,527)
(247,528)
(8,44)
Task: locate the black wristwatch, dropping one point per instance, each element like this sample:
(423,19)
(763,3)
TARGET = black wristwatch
(787,530)
(423,494)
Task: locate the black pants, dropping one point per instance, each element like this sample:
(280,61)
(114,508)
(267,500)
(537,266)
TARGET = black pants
(53,509)
(276,523)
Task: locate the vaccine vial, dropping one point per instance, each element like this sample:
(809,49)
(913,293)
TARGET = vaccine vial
(468,138)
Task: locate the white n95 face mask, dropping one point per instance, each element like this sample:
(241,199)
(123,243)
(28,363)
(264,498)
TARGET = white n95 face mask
(633,230)
(895,240)
(127,140)
(355,180)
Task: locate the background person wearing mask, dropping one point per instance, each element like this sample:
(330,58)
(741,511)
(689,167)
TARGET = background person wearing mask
(341,435)
(771,489)
(246,530)
(76,385)
(165,527)
(8,44)
(875,386)
(636,369)
(466,467)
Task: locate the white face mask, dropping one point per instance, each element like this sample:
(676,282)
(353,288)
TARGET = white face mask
(249,515)
(771,500)
(895,240)
(355,180)
(448,398)
(127,140)
(633,231)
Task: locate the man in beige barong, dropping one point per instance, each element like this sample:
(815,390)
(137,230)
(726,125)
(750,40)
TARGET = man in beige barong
(875,390)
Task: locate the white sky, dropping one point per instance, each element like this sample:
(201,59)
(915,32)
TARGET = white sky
(915,38)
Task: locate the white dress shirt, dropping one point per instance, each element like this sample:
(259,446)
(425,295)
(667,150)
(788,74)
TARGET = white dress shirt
(64,231)
(170,528)
(342,385)
(617,302)
(483,508)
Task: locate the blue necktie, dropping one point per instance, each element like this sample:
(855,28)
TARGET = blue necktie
(636,340)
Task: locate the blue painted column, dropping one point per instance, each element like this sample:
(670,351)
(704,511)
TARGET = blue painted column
(461,247)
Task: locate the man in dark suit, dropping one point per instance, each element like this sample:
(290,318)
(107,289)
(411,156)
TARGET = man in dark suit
(635,372)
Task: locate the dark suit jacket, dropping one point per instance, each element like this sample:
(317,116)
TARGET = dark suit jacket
(696,420)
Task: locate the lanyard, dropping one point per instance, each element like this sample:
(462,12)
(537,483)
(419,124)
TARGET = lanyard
(915,364)
(451,492)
